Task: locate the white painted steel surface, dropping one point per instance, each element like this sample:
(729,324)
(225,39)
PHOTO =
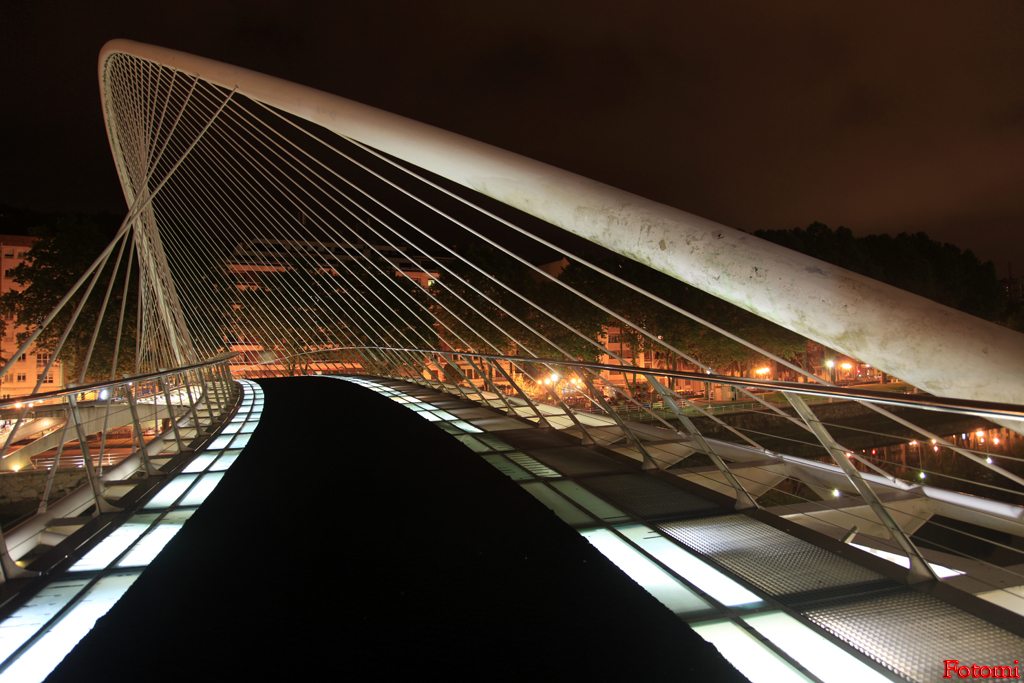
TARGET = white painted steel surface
(934,347)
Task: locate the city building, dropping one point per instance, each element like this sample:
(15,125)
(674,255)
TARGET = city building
(21,379)
(253,261)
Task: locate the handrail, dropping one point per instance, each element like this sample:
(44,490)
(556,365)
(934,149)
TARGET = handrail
(131,379)
(986,409)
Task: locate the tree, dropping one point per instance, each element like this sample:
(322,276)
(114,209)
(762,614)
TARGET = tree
(300,313)
(502,315)
(696,340)
(916,263)
(62,253)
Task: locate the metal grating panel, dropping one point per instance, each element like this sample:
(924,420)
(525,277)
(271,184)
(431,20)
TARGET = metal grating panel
(528,463)
(912,633)
(649,498)
(772,560)
(577,461)
(530,438)
(510,470)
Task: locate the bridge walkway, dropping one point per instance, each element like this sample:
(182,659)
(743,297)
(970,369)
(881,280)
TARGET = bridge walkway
(761,588)
(405,545)
(352,536)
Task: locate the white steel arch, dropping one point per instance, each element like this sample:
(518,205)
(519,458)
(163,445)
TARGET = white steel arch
(934,347)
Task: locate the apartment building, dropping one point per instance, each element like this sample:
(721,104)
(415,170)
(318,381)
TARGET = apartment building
(252,260)
(21,379)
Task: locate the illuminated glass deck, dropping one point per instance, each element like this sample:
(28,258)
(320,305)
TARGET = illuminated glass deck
(763,642)
(36,637)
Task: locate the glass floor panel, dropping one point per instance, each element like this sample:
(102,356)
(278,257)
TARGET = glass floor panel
(150,545)
(38,661)
(666,588)
(116,543)
(203,488)
(817,654)
(22,625)
(750,656)
(507,468)
(591,503)
(224,461)
(200,463)
(690,567)
(473,443)
(220,442)
(170,492)
(566,511)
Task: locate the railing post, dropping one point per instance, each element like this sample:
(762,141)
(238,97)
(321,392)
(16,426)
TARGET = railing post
(744,500)
(137,428)
(170,413)
(488,382)
(584,434)
(101,503)
(204,395)
(213,391)
(542,421)
(920,570)
(44,501)
(229,383)
(187,376)
(471,388)
(454,380)
(103,434)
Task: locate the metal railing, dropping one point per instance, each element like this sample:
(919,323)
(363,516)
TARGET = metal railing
(850,494)
(179,404)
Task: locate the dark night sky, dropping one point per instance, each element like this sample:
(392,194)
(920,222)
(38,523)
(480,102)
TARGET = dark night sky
(880,116)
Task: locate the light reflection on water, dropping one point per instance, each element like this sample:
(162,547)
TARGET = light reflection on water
(1005,449)
(958,473)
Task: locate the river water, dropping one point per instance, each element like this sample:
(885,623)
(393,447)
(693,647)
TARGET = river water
(944,468)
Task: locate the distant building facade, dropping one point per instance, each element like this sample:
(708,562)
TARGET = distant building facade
(251,260)
(27,370)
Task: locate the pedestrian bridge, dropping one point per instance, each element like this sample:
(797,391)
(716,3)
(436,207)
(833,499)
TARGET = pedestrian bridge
(470,454)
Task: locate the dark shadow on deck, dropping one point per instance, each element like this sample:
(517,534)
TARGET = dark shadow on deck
(354,539)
